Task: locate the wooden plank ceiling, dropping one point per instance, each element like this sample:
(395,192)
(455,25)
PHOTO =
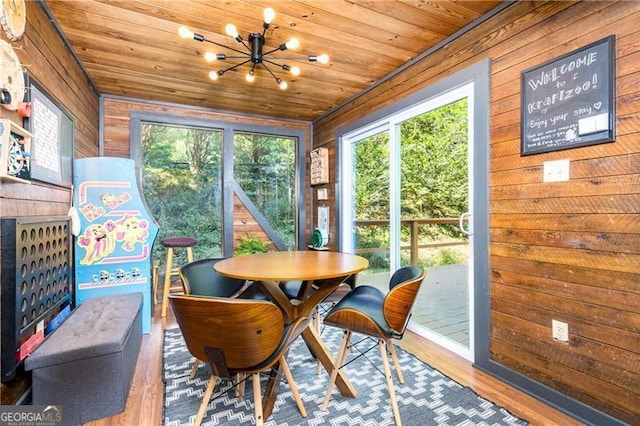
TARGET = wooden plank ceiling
(132,48)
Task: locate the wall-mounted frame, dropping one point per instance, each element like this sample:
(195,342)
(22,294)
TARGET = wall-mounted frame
(569,101)
(319,166)
(53,134)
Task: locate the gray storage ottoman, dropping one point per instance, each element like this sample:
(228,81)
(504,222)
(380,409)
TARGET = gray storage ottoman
(87,364)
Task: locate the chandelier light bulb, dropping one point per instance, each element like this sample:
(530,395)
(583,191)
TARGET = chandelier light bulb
(251,76)
(269,14)
(185,32)
(213,75)
(283,85)
(295,70)
(210,56)
(231,30)
(323,59)
(293,43)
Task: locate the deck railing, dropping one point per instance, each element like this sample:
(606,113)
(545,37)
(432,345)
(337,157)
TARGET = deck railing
(414,224)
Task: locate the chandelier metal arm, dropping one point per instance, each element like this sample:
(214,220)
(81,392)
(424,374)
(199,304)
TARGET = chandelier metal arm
(272,62)
(270,72)
(238,57)
(274,50)
(233,67)
(228,47)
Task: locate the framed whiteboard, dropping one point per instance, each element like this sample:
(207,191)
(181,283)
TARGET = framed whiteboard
(52,143)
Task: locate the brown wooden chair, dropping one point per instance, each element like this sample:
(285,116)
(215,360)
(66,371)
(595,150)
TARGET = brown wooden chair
(237,337)
(200,279)
(384,317)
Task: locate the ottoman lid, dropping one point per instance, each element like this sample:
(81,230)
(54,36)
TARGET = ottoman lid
(99,326)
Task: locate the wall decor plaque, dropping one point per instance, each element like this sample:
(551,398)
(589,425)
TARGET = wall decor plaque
(569,101)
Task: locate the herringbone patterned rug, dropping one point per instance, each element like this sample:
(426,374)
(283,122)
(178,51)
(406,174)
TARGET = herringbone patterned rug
(426,398)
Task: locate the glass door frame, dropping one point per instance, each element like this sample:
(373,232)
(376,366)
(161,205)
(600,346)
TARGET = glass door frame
(228,181)
(476,78)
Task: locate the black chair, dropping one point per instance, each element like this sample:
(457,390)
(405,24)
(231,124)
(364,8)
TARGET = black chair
(384,317)
(237,337)
(200,279)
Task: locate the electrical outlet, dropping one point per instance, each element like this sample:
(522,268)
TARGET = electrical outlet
(555,171)
(560,330)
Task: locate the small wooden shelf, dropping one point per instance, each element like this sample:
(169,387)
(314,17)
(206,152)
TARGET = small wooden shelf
(15,152)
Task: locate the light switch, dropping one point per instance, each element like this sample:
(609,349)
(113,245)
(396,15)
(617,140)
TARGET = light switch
(597,123)
(556,171)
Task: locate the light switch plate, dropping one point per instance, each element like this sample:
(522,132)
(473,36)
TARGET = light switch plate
(556,171)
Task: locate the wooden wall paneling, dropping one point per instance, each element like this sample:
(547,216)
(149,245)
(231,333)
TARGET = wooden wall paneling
(117,113)
(565,250)
(47,59)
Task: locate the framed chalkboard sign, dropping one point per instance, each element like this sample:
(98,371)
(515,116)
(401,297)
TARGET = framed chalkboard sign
(52,143)
(570,101)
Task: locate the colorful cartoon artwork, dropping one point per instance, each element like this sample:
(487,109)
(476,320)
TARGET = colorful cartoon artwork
(131,230)
(91,212)
(98,241)
(118,277)
(115,201)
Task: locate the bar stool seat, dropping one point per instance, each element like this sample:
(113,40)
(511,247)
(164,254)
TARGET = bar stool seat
(172,243)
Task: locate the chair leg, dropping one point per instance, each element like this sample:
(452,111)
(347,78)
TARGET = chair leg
(154,281)
(239,380)
(205,400)
(167,281)
(316,324)
(396,363)
(293,386)
(194,369)
(387,373)
(342,353)
(257,399)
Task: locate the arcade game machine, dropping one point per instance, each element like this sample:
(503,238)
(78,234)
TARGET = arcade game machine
(115,236)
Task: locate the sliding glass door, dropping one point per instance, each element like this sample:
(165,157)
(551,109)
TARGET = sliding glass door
(406,194)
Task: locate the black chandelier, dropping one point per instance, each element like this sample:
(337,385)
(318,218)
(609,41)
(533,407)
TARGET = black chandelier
(255,55)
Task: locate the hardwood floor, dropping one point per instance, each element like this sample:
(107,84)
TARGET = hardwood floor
(144,406)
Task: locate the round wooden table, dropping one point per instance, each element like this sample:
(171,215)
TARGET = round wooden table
(321,270)
(320,273)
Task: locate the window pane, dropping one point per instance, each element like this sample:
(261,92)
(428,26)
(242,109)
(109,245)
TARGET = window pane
(434,194)
(371,203)
(264,167)
(181,185)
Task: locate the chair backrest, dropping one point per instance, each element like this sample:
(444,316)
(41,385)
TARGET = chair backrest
(200,279)
(247,332)
(403,290)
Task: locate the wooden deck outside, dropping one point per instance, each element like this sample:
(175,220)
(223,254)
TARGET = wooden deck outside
(442,305)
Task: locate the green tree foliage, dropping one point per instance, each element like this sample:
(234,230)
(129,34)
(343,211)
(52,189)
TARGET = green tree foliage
(434,181)
(371,180)
(434,177)
(181,185)
(264,167)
